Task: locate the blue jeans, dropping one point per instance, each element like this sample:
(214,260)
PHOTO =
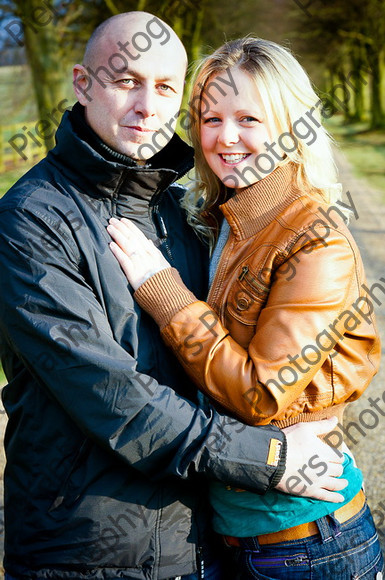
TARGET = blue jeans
(345,551)
(212,572)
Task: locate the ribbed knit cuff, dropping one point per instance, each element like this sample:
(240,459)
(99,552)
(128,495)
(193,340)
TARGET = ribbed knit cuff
(163,295)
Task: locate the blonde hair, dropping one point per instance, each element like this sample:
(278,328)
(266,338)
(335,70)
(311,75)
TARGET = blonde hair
(287,96)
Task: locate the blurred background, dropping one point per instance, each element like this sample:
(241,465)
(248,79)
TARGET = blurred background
(341,45)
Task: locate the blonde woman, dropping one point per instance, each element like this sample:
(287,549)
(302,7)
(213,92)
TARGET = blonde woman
(287,333)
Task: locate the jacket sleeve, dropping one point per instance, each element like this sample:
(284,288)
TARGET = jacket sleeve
(292,336)
(51,319)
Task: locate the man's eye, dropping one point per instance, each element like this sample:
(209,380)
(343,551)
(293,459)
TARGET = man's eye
(165,88)
(127,82)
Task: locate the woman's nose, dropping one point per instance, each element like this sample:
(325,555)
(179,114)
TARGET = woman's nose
(228,134)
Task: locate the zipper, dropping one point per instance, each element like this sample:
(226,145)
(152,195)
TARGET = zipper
(200,563)
(245,269)
(250,279)
(296,561)
(278,561)
(162,231)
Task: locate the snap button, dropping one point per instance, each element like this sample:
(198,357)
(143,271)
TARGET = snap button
(243,303)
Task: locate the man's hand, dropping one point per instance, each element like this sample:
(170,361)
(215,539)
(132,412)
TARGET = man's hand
(137,255)
(312,467)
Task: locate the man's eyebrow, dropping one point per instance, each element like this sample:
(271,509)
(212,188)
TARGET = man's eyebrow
(138,75)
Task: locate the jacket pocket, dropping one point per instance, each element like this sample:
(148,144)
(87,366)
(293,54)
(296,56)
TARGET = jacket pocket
(71,486)
(247,297)
(245,300)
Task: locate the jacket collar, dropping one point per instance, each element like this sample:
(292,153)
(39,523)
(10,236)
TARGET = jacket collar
(253,208)
(102,172)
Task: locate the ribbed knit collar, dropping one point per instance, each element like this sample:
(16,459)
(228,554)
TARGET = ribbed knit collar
(253,208)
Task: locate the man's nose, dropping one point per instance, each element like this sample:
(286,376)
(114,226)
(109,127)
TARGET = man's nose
(146,102)
(228,134)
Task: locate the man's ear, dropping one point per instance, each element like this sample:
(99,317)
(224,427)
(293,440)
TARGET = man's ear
(82,83)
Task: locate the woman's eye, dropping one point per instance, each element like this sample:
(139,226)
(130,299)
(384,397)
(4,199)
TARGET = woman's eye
(211,120)
(249,119)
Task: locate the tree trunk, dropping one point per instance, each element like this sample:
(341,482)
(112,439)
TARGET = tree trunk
(43,53)
(376,110)
(356,78)
(344,103)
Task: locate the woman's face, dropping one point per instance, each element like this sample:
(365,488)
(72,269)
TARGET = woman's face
(234,130)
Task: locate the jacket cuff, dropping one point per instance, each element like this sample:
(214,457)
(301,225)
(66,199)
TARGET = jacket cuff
(281,465)
(163,295)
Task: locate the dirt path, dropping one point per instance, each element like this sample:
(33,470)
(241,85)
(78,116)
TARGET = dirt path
(368,430)
(365,422)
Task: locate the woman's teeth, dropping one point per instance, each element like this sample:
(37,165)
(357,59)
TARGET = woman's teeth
(234,157)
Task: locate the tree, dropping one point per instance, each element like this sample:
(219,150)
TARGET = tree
(348,38)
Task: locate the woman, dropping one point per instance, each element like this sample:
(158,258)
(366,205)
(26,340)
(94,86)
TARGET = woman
(287,333)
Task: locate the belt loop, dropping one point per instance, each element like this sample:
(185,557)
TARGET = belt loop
(335,524)
(250,543)
(324,529)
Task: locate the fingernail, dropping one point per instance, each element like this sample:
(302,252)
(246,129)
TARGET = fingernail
(113,221)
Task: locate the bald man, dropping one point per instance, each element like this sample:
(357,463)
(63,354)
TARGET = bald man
(108,447)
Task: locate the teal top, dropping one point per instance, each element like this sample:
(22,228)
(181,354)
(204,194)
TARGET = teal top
(243,514)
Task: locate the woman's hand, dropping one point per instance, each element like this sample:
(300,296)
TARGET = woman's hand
(137,255)
(307,452)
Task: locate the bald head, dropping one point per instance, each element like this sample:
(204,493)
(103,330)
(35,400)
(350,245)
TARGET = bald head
(131,83)
(132,33)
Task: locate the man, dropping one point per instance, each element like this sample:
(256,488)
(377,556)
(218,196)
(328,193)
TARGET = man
(108,448)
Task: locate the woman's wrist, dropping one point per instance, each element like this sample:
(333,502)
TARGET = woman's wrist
(163,295)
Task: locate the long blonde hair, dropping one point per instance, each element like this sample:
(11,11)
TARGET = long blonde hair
(287,96)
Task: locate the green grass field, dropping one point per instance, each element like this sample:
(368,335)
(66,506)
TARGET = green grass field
(9,178)
(365,150)
(15,95)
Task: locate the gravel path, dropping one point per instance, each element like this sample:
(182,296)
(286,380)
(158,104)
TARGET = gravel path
(368,430)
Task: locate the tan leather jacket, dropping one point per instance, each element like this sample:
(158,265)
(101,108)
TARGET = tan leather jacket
(295,336)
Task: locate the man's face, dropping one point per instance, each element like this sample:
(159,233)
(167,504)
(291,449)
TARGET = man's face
(128,109)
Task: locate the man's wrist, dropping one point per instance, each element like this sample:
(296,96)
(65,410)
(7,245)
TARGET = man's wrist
(281,468)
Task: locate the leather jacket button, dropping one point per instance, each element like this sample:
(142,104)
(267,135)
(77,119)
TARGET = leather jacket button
(243,303)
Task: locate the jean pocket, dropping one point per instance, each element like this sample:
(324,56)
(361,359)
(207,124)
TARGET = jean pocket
(373,571)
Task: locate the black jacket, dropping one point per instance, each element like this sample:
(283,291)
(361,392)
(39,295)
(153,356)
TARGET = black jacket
(108,450)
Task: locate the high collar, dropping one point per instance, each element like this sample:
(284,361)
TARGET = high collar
(103,172)
(253,208)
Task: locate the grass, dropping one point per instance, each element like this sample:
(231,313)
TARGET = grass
(3,380)
(16,94)
(364,148)
(9,178)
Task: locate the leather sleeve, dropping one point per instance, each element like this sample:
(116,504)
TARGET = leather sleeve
(292,336)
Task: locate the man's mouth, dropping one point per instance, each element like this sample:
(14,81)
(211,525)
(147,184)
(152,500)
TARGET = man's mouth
(233,158)
(141,129)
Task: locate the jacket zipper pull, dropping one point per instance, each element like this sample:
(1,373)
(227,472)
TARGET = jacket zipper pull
(201,564)
(245,269)
(161,225)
